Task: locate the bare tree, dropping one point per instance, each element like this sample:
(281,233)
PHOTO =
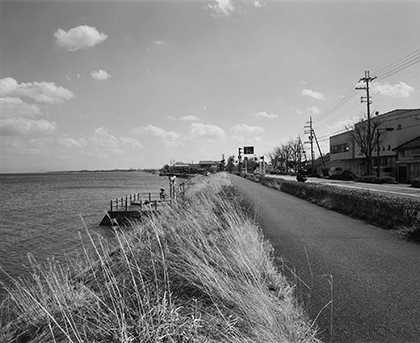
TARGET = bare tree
(289,155)
(297,154)
(367,142)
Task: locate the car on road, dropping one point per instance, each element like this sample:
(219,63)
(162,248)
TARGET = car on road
(338,173)
(335,171)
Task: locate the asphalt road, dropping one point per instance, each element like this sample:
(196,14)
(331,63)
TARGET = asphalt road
(372,276)
(398,190)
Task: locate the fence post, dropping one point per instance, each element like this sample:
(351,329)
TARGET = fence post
(116,203)
(126,203)
(110,207)
(150,196)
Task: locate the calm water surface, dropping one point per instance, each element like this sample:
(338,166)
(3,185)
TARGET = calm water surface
(41,214)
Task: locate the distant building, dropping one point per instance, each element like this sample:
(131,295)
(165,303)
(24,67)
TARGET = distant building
(394,157)
(209,164)
(181,168)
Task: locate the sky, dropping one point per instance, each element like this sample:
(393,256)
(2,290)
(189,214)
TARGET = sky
(140,84)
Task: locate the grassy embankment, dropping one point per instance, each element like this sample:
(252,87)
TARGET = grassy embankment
(200,272)
(392,213)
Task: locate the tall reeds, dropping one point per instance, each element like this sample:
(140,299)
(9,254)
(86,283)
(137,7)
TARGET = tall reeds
(199,272)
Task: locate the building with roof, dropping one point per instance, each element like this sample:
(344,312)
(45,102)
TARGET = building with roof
(408,160)
(390,132)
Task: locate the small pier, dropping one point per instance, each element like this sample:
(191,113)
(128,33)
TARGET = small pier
(136,207)
(133,207)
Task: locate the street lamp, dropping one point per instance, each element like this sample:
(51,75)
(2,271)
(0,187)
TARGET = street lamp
(378,172)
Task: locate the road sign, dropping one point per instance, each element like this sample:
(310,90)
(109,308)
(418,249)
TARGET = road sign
(248,150)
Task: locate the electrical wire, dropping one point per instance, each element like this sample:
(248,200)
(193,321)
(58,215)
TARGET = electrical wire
(399,65)
(340,102)
(389,70)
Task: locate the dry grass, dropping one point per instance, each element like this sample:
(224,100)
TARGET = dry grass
(200,272)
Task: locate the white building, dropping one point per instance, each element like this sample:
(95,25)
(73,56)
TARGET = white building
(405,126)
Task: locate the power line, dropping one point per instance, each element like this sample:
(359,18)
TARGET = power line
(328,135)
(340,102)
(391,69)
(399,65)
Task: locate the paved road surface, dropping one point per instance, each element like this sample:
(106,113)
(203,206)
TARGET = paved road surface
(375,274)
(399,190)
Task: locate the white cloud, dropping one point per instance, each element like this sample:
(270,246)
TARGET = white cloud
(257,4)
(103,138)
(399,90)
(45,92)
(222,8)
(156,131)
(206,131)
(342,125)
(239,139)
(13,107)
(100,139)
(131,143)
(313,94)
(70,142)
(160,42)
(189,118)
(314,110)
(22,126)
(244,128)
(100,75)
(80,37)
(169,138)
(266,115)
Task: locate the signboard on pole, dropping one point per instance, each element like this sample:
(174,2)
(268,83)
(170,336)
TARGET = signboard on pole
(248,150)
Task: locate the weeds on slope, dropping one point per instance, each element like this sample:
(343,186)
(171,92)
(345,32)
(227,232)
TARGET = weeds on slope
(200,272)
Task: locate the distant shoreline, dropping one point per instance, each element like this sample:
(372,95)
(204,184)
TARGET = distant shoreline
(152,171)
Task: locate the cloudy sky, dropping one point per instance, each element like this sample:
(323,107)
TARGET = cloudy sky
(120,84)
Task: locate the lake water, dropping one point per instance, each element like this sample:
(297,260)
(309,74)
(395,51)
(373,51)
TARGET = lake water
(41,214)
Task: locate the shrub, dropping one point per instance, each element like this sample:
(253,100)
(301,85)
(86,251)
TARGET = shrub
(375,179)
(416,182)
(387,212)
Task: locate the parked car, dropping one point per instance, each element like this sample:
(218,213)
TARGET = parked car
(335,171)
(339,174)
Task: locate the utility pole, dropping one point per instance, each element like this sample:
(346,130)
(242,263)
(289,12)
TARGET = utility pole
(240,150)
(366,99)
(311,140)
(319,149)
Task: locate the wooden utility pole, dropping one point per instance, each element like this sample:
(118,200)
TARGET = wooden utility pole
(319,149)
(311,141)
(366,99)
